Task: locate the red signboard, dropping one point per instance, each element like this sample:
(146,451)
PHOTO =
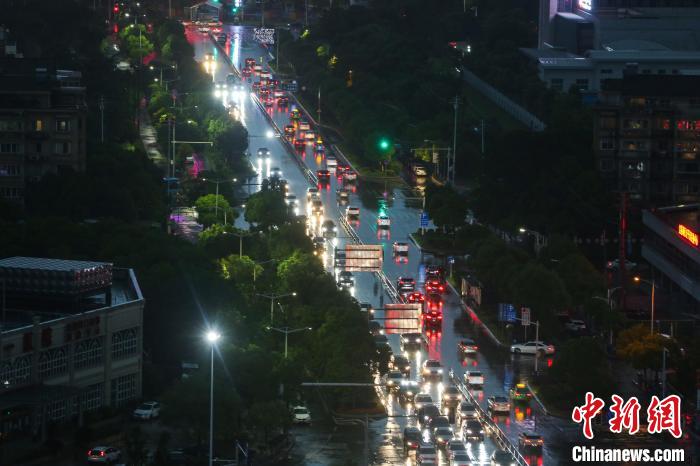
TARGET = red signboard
(688,234)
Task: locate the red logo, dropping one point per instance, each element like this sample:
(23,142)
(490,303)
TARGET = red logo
(665,415)
(587,412)
(625,415)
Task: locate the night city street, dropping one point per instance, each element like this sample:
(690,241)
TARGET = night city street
(286,232)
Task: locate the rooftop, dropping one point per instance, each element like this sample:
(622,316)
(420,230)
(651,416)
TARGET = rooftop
(37,263)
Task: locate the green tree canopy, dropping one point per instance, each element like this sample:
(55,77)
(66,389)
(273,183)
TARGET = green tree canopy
(267,208)
(211,209)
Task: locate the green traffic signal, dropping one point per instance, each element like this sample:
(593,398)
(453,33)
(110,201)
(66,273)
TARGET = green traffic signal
(384,144)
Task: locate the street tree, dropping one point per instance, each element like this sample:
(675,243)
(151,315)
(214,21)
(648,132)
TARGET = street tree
(267,208)
(207,207)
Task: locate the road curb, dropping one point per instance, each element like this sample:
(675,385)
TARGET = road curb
(473,315)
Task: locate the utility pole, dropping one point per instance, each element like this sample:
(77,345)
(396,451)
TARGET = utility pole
(319,106)
(537,339)
(102,119)
(454,143)
(623,245)
(306,13)
(277,53)
(483,136)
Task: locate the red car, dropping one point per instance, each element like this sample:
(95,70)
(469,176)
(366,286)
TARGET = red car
(434,286)
(415,297)
(432,318)
(323,175)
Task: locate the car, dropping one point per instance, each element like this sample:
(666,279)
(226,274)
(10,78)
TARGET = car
(474,378)
(323,176)
(425,414)
(311,193)
(381,340)
(331,161)
(520,393)
(575,326)
(352,213)
(301,415)
(442,435)
(329,229)
(530,439)
(316,207)
(451,396)
(367,307)
(346,280)
(502,458)
(401,363)
(294,114)
(432,368)
(282,101)
(434,286)
(299,144)
(412,341)
(465,411)
(422,399)
(432,318)
(435,272)
(245,72)
(309,136)
(406,284)
(349,175)
(412,437)
(468,346)
(289,130)
(433,302)
(257,68)
(275,172)
(461,460)
(438,421)
(320,149)
(343,195)
(393,379)
(499,404)
(319,245)
(383,222)
(375,328)
(455,447)
(415,297)
(265,75)
(472,430)
(147,410)
(105,455)
(400,249)
(269,101)
(408,390)
(532,347)
(263,154)
(304,125)
(249,62)
(615,264)
(426,452)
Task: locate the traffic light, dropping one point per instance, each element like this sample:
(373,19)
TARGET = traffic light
(384,144)
(234,10)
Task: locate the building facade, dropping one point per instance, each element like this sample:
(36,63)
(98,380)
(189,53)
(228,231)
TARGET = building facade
(647,138)
(42,125)
(71,342)
(582,43)
(671,244)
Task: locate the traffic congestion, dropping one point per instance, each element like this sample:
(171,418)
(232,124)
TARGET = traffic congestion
(450,397)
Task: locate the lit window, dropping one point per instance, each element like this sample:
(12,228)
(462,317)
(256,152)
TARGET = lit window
(38,125)
(62,125)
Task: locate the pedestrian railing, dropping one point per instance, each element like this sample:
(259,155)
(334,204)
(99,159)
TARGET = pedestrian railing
(499,436)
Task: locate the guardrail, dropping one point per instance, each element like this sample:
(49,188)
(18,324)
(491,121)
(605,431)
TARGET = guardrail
(499,436)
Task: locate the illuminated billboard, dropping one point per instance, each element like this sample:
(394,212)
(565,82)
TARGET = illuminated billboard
(585,4)
(689,235)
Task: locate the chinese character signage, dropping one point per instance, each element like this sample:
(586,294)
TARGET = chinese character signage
(506,313)
(688,235)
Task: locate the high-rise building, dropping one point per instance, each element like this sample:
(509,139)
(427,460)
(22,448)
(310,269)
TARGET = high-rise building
(70,342)
(647,138)
(42,124)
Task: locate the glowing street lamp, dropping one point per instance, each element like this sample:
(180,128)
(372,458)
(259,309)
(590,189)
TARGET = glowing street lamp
(212,336)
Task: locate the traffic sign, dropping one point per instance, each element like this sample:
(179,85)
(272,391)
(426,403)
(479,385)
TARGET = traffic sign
(451,259)
(525,316)
(423,220)
(506,312)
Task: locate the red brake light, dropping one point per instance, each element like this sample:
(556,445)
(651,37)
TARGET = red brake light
(102,453)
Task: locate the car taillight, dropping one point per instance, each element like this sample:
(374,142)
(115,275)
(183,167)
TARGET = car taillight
(102,453)
(89,452)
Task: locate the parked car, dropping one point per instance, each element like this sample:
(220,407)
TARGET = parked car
(532,347)
(301,415)
(105,455)
(147,410)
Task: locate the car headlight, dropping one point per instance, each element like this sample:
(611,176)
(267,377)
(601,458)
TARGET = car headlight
(439,371)
(469,431)
(417,340)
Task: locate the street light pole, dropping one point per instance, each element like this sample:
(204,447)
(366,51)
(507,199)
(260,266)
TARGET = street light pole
(272,297)
(653,299)
(286,332)
(212,337)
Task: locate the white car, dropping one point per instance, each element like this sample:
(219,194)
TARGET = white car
(147,410)
(352,212)
(422,399)
(474,378)
(105,455)
(532,347)
(311,193)
(432,368)
(301,415)
(575,325)
(499,404)
(456,447)
(304,126)
(465,412)
(331,161)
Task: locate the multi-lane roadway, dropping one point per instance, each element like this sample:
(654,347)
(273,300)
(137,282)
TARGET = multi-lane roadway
(501,372)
